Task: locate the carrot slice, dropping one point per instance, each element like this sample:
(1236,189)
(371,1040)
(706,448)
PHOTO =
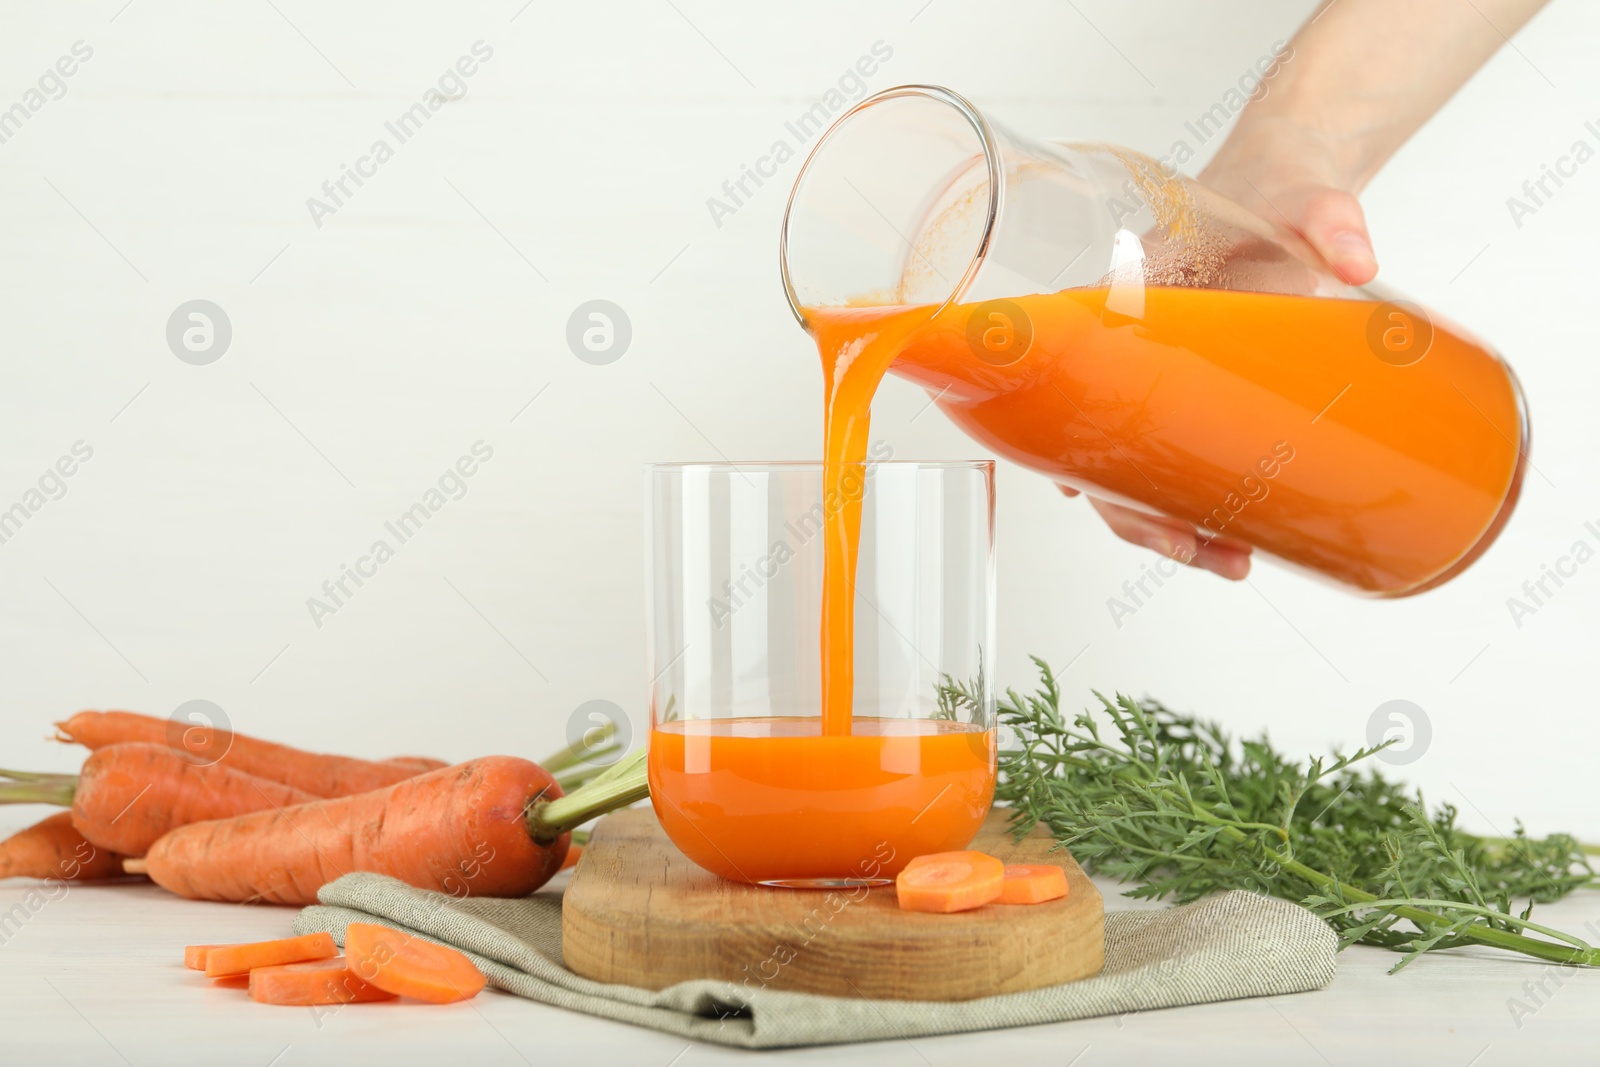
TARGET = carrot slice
(950,881)
(408,966)
(1033,883)
(574,851)
(194,956)
(222,960)
(317,982)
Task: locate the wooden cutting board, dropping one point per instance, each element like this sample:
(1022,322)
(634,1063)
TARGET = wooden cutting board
(638,911)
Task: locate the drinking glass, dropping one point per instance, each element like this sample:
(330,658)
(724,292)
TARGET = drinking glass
(741,775)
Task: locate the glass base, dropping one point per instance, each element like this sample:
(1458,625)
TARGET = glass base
(825,883)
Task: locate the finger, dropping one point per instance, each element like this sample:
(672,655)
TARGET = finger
(1163,536)
(1224,559)
(1176,540)
(1333,222)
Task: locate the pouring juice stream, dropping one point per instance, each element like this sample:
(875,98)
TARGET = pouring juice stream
(857,345)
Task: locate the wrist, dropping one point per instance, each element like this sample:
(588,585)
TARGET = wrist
(1352,125)
(1268,152)
(1339,149)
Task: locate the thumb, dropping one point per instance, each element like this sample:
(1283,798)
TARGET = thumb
(1334,224)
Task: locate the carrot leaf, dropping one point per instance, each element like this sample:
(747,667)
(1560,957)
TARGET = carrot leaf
(1172,805)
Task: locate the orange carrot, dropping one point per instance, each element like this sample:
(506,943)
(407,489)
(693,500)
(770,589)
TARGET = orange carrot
(949,881)
(225,960)
(319,775)
(476,829)
(320,982)
(1033,883)
(332,776)
(55,849)
(128,795)
(574,852)
(416,764)
(408,966)
(194,956)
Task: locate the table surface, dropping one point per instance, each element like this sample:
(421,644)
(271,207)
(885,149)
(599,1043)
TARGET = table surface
(93,975)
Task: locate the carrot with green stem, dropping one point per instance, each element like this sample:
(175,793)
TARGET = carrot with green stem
(591,750)
(496,826)
(126,796)
(54,849)
(315,773)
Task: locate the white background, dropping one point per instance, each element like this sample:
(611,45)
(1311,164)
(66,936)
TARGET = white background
(369,353)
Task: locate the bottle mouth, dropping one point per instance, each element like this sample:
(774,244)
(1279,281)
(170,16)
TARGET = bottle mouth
(896,203)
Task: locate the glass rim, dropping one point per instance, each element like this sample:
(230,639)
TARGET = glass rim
(770,465)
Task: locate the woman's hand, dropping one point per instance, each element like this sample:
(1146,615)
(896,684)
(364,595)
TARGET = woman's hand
(1285,172)
(1290,174)
(1356,81)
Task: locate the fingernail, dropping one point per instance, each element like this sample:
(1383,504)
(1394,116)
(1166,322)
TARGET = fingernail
(1348,244)
(1349,241)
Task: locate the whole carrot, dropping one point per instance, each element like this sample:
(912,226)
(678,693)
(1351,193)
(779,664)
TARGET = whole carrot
(126,796)
(416,764)
(54,849)
(323,776)
(317,774)
(496,826)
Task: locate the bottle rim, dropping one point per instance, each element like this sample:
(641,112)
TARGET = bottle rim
(991,153)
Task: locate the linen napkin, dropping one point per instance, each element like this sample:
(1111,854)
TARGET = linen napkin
(1232,945)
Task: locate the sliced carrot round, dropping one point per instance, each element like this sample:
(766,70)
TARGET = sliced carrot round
(1033,883)
(950,881)
(407,966)
(194,956)
(222,961)
(318,982)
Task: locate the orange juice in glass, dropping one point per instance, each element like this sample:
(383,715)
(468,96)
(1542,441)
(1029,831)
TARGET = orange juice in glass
(753,773)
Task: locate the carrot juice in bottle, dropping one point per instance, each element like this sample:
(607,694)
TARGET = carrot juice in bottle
(1086,313)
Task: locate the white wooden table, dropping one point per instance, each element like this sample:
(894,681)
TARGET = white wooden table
(371,349)
(95,976)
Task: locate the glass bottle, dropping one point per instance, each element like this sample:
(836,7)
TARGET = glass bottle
(1137,336)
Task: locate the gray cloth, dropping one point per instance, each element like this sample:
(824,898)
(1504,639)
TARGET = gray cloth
(1228,946)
